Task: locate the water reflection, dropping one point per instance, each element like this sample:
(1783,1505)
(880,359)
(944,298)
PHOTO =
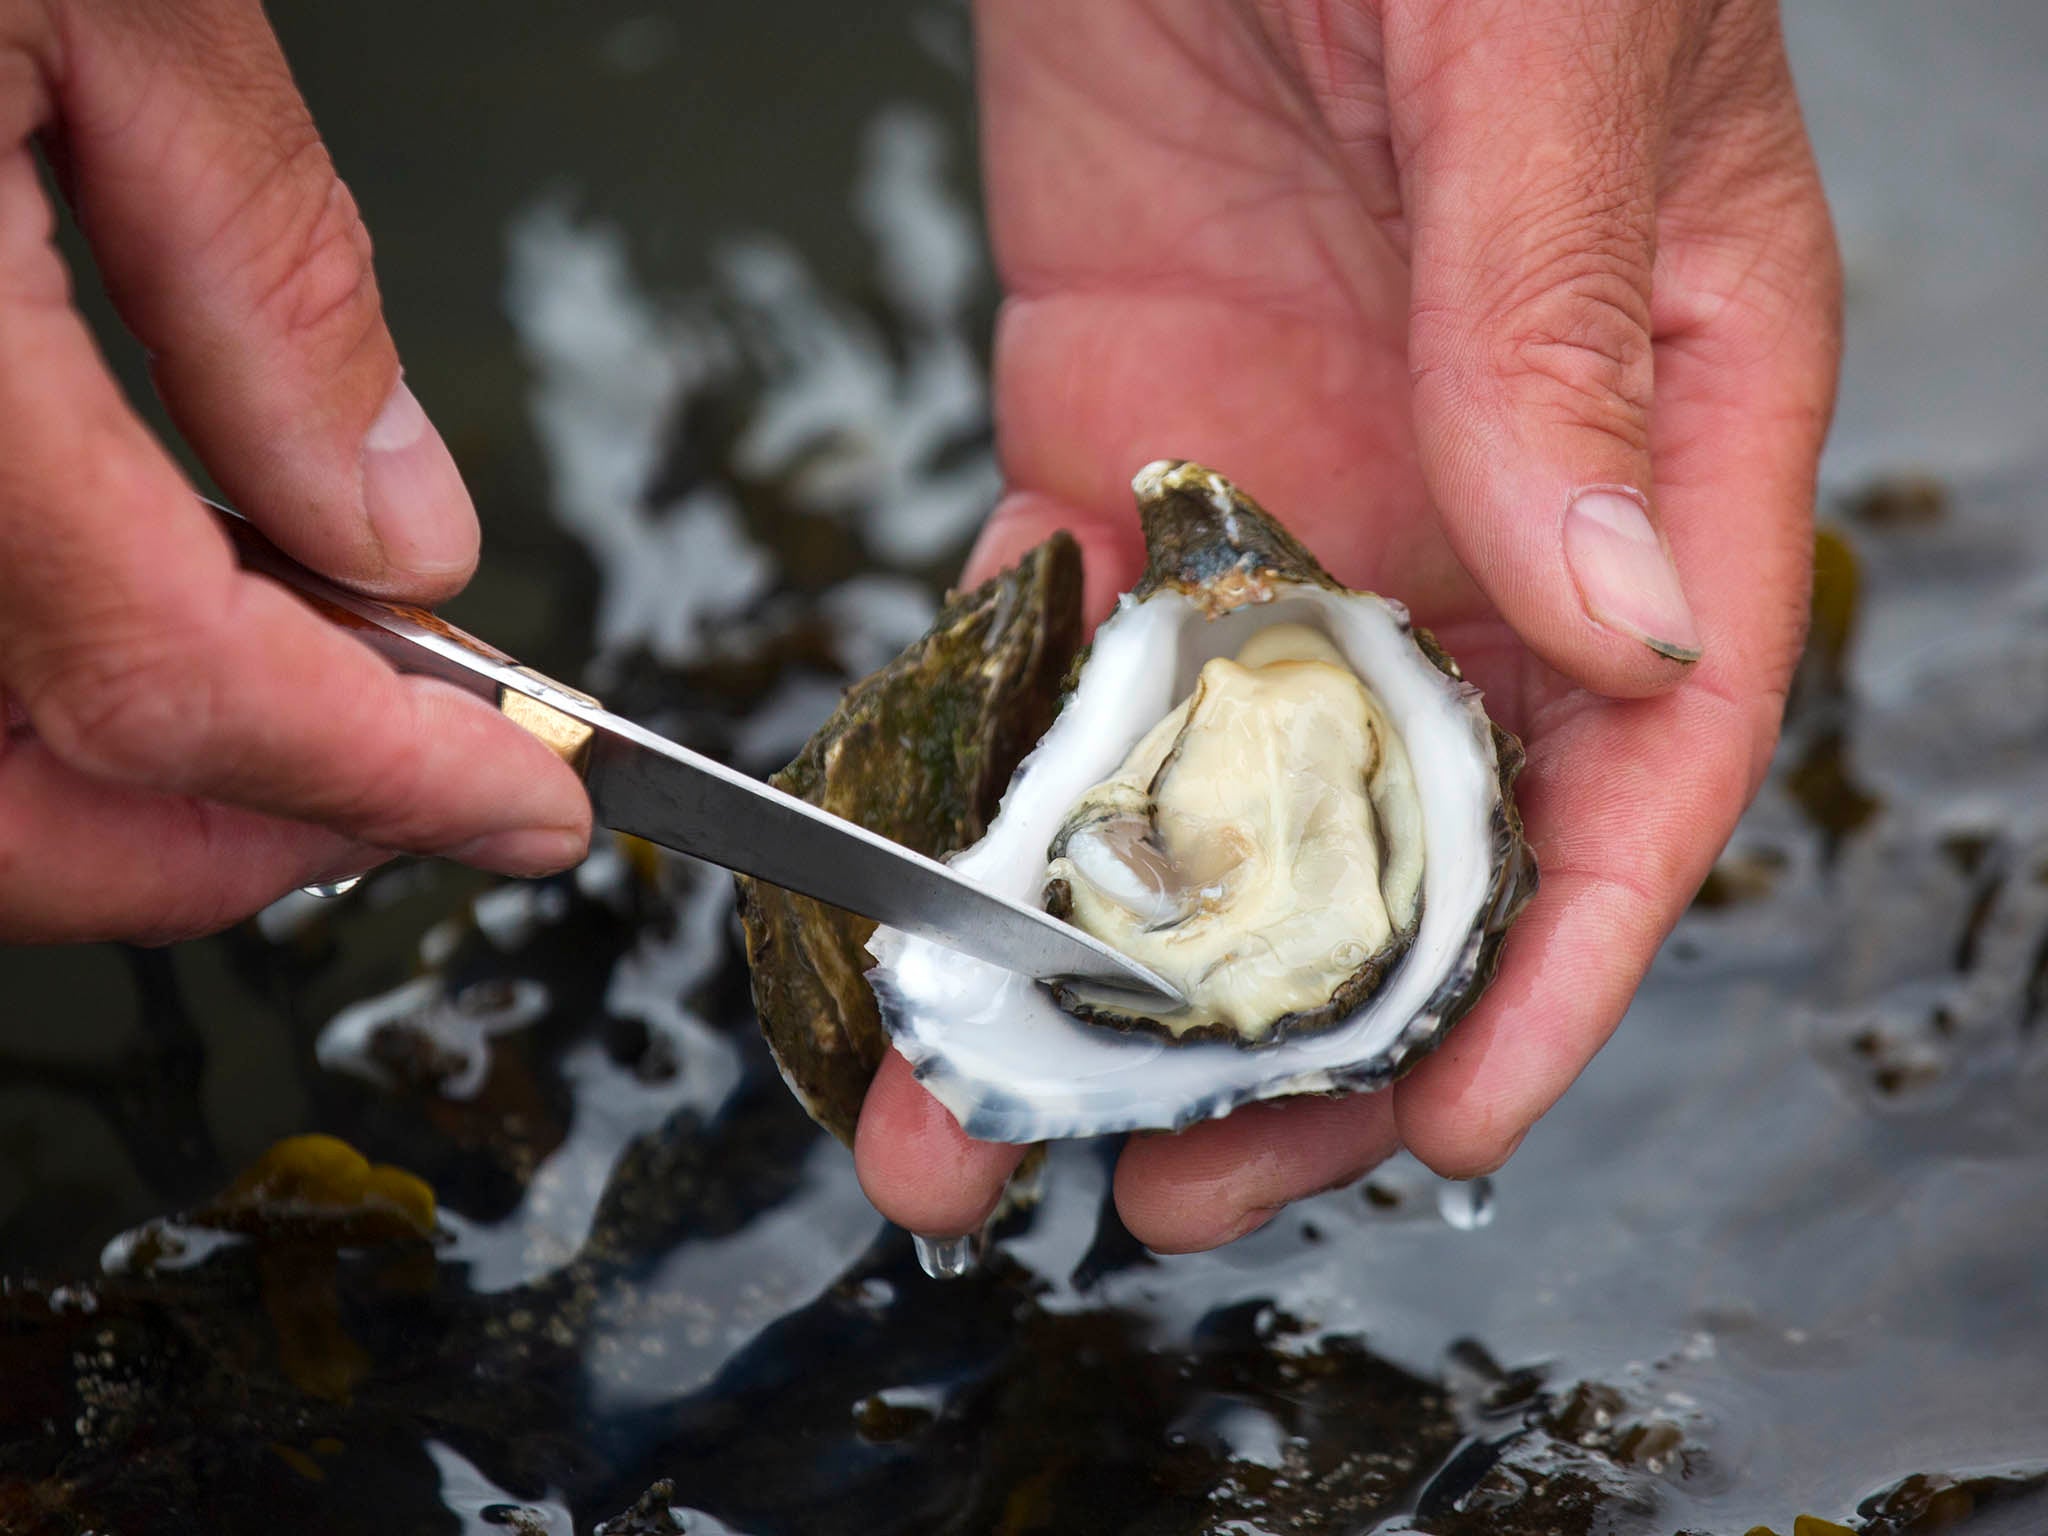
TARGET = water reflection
(1774,1256)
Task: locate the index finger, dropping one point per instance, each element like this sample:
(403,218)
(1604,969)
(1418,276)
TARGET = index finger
(144,656)
(238,257)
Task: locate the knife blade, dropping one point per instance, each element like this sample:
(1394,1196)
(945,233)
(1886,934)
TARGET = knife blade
(643,784)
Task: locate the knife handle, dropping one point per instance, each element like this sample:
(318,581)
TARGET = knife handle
(417,641)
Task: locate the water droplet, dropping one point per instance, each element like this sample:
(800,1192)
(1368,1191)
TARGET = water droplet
(948,1258)
(333,888)
(74,1298)
(1466,1204)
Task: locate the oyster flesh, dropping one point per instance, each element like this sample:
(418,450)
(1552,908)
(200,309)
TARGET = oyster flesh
(1278,792)
(1261,847)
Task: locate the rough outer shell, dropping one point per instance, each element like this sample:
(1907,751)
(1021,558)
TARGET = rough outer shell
(999,1052)
(918,752)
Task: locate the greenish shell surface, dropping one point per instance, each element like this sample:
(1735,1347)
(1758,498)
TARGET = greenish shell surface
(919,752)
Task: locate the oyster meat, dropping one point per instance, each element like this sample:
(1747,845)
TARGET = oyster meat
(1261,847)
(1278,792)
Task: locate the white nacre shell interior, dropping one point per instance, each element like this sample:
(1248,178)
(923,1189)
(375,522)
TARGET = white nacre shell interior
(1011,1065)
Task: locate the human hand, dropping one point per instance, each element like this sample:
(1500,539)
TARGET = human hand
(184,742)
(1405,271)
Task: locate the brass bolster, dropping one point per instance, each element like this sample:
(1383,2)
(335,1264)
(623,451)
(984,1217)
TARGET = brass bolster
(561,733)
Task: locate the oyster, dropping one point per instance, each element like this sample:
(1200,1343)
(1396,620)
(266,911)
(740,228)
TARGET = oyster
(919,752)
(1398,756)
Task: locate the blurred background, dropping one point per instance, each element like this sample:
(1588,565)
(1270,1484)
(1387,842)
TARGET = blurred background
(699,298)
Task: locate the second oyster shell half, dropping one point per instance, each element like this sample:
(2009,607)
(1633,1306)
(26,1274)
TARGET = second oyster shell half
(1333,874)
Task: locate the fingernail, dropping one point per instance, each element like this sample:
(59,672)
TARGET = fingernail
(523,851)
(1624,573)
(413,493)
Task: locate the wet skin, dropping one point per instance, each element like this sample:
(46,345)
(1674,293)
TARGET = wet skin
(153,695)
(1304,244)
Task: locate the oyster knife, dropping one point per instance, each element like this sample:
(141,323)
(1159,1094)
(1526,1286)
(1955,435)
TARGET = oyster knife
(643,784)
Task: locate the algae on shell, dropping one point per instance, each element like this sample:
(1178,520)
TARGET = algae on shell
(920,752)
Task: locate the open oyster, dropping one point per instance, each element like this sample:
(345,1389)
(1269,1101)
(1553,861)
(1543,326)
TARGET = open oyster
(1343,850)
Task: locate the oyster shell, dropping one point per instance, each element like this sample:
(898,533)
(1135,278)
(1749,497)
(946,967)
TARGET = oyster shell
(1008,1061)
(919,752)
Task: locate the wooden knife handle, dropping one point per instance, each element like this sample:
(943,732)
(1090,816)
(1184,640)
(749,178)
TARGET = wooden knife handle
(418,641)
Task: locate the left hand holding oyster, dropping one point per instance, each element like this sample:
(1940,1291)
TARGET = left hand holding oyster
(1408,272)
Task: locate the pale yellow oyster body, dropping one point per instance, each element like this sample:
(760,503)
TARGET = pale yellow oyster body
(1258,846)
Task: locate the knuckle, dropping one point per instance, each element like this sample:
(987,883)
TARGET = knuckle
(391,807)
(300,252)
(1553,312)
(322,292)
(135,708)
(1578,331)
(384,795)
(1764,287)
(193,909)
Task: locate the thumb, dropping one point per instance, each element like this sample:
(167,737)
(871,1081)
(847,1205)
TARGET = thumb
(1530,333)
(237,256)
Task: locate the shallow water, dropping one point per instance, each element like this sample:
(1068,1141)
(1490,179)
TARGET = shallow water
(706,284)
